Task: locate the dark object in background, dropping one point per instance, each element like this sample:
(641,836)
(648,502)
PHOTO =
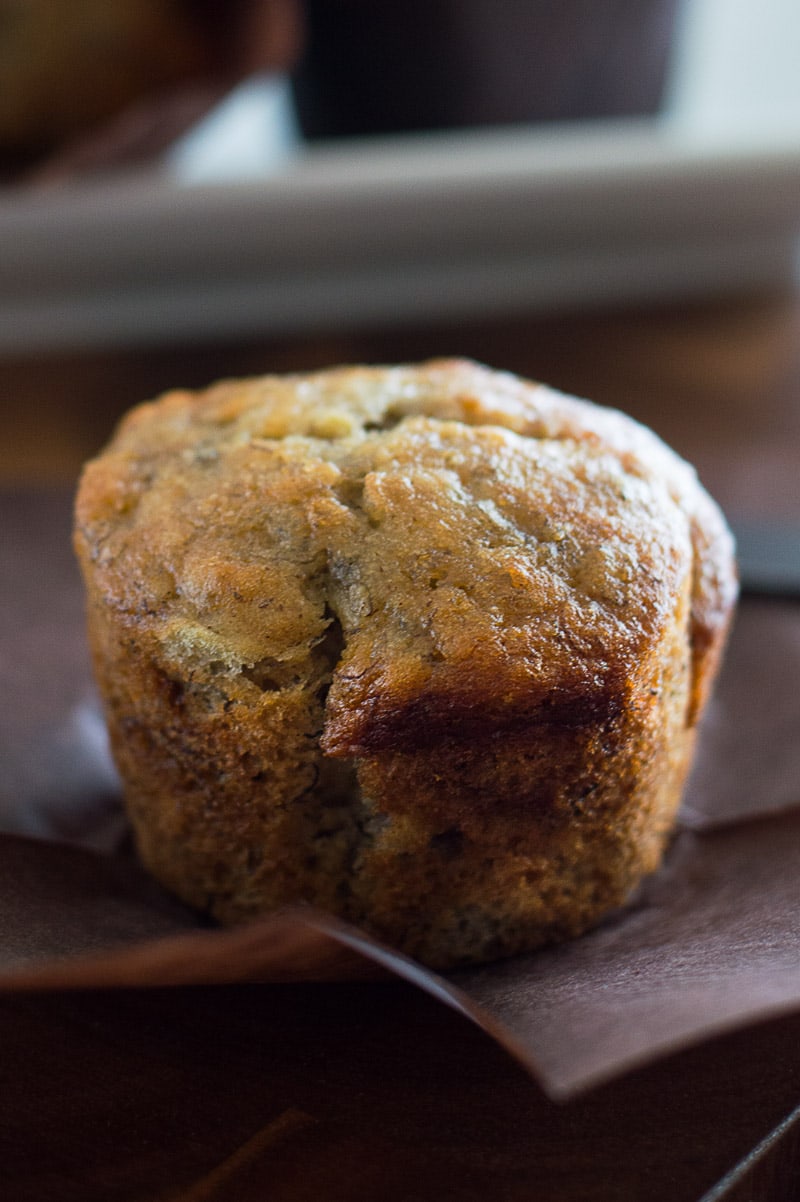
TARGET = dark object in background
(373,66)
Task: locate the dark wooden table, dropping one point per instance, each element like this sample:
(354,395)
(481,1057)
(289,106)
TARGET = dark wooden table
(367,1092)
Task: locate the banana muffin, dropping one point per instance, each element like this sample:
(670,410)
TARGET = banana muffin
(424,646)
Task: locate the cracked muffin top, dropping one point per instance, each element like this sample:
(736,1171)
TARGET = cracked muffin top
(429,548)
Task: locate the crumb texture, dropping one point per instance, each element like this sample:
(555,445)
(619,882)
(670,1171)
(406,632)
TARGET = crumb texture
(425,646)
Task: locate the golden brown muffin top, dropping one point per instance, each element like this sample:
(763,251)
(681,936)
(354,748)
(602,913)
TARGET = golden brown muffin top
(468,550)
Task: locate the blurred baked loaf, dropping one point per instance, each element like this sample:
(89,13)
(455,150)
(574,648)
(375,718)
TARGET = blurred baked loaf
(423,646)
(68,64)
(71,68)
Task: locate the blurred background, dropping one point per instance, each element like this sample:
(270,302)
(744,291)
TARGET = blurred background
(601,193)
(90,84)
